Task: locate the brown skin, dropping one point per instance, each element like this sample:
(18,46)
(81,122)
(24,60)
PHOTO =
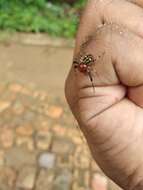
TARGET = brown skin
(111,118)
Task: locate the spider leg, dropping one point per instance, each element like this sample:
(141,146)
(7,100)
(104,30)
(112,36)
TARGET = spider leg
(75,70)
(91,79)
(75,65)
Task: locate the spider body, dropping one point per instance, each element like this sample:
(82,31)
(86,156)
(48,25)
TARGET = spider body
(84,64)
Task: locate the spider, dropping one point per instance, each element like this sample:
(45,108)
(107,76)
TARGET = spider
(84,65)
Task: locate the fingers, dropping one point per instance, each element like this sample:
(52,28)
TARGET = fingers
(120,61)
(121,12)
(119,65)
(93,104)
(136,95)
(137,2)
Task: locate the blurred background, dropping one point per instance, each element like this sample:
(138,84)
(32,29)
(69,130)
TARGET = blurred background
(41,147)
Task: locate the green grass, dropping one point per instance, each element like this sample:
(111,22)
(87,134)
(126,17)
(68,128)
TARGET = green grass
(56,18)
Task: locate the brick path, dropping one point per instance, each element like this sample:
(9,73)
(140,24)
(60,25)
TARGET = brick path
(40,146)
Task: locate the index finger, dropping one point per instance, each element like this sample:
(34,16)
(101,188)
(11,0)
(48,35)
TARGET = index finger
(138,2)
(99,12)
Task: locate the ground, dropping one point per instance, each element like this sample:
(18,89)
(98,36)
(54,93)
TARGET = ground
(41,147)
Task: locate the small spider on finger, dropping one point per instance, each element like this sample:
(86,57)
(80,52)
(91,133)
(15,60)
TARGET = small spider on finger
(84,64)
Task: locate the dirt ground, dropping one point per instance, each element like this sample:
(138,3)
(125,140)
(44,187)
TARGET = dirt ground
(40,66)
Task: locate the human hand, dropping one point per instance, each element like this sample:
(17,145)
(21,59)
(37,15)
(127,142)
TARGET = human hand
(111,115)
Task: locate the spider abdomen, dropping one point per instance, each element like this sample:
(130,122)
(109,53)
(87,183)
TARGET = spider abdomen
(82,68)
(84,64)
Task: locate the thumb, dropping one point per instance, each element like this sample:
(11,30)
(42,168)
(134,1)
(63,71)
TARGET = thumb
(136,95)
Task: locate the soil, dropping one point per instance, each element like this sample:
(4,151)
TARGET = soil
(43,67)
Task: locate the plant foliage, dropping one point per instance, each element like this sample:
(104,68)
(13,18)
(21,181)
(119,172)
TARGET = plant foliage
(56,17)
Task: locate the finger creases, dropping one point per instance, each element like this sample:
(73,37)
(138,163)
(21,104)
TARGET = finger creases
(137,2)
(136,95)
(92,104)
(117,68)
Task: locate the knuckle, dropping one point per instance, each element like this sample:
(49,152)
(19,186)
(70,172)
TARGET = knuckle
(104,33)
(100,5)
(107,33)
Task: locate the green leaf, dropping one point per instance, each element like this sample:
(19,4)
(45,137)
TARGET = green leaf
(51,16)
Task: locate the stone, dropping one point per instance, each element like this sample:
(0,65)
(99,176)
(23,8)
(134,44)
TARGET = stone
(16,157)
(42,128)
(59,130)
(15,88)
(42,124)
(18,108)
(87,176)
(3,87)
(6,137)
(16,120)
(41,108)
(43,140)
(4,105)
(65,161)
(28,102)
(5,119)
(63,180)
(75,186)
(81,178)
(7,96)
(99,182)
(42,95)
(7,178)
(26,91)
(2,158)
(25,130)
(45,180)
(82,158)
(54,112)
(76,135)
(26,177)
(25,142)
(47,160)
(4,186)
(62,146)
(29,116)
